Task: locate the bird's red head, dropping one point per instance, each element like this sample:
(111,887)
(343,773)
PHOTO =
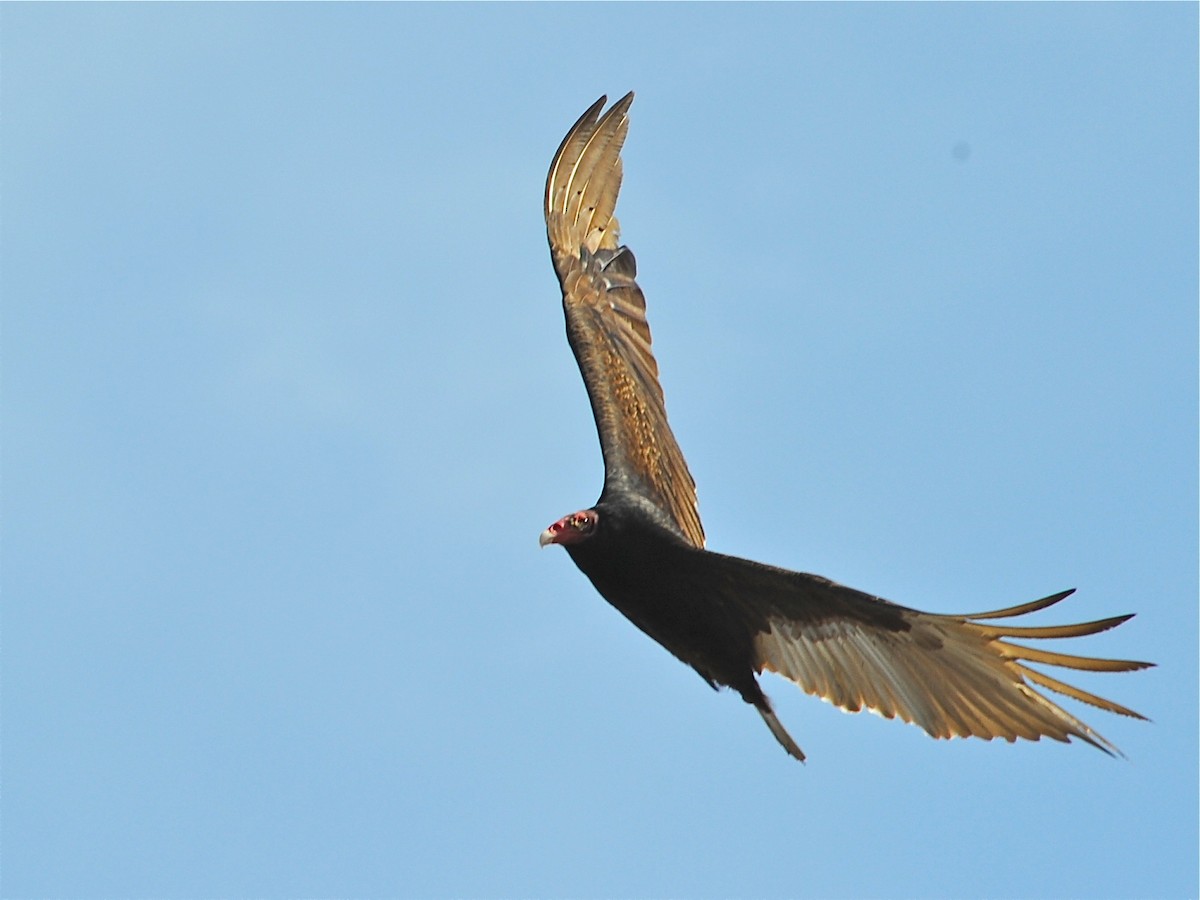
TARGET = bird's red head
(571,529)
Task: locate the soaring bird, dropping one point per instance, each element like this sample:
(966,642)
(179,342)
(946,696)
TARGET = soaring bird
(642,545)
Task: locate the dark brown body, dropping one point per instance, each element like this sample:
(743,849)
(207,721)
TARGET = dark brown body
(662,585)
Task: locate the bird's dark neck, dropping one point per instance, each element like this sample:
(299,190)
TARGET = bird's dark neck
(632,542)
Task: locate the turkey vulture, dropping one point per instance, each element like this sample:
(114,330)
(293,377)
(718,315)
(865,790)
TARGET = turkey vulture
(642,544)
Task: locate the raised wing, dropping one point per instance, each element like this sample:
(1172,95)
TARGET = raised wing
(955,676)
(606,319)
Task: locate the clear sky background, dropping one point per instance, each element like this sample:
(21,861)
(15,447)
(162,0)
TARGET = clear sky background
(287,401)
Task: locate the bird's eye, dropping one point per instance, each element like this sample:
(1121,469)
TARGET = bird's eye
(583,523)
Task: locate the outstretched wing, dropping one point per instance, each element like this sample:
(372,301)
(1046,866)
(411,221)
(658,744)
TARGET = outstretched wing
(953,675)
(606,319)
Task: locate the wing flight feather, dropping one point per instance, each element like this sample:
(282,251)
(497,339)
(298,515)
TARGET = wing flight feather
(950,675)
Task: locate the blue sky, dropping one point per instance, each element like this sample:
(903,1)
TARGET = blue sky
(287,400)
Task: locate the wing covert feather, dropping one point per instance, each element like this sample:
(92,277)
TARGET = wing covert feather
(606,319)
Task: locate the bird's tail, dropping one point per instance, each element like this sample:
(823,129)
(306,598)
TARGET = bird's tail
(777,729)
